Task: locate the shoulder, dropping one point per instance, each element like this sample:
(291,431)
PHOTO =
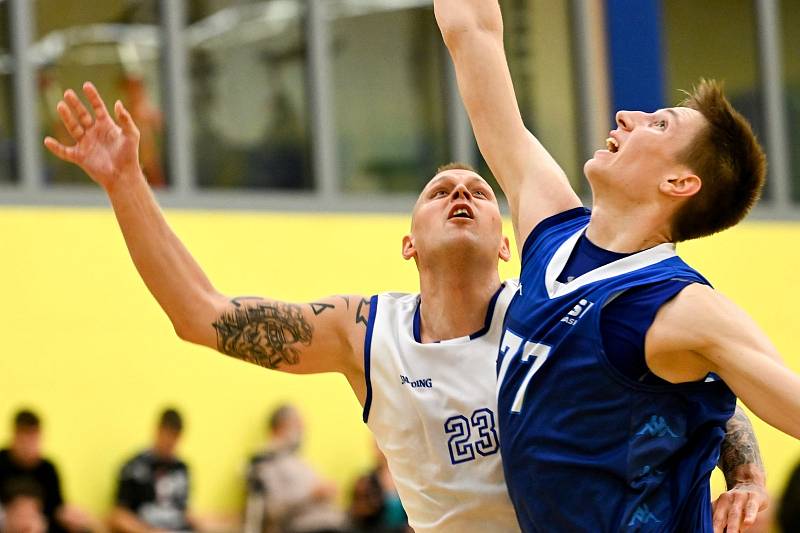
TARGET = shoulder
(137,467)
(46,465)
(692,317)
(558,225)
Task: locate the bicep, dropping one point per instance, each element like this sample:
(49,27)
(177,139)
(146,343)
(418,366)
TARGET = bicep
(306,338)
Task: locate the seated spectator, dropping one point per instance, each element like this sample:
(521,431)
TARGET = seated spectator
(22,504)
(375,505)
(285,495)
(153,487)
(23,461)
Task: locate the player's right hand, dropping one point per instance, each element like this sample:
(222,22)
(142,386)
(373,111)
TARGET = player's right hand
(104,149)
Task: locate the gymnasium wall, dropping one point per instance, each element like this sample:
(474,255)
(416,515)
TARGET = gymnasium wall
(84,344)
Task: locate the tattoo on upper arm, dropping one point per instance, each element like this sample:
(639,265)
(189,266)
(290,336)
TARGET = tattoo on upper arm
(320,308)
(266,333)
(362,312)
(346,300)
(740,446)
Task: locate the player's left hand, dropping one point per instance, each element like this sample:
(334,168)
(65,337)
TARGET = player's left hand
(736,510)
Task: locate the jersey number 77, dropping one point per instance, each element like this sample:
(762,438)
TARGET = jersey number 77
(533,353)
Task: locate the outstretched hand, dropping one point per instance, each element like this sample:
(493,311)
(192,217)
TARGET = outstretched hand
(103,148)
(736,510)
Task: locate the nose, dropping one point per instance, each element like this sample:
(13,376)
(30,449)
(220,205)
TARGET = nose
(627,120)
(461,191)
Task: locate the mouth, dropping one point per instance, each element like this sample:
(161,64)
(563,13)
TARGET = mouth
(461,211)
(612,145)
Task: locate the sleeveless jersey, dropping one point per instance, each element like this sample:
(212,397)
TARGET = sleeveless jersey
(432,409)
(584,447)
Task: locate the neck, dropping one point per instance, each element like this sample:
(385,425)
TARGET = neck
(455,298)
(626,230)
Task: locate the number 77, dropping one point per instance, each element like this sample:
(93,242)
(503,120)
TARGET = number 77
(509,348)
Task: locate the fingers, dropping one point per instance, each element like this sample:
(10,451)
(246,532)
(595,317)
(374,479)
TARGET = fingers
(69,120)
(750,513)
(60,151)
(721,508)
(736,512)
(76,106)
(98,105)
(125,120)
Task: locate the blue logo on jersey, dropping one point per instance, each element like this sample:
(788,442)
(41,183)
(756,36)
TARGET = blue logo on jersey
(657,427)
(643,516)
(648,470)
(426,383)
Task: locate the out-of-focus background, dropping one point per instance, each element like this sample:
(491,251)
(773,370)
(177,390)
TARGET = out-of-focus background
(287,140)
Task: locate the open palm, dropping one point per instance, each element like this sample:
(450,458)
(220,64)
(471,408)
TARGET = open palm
(103,148)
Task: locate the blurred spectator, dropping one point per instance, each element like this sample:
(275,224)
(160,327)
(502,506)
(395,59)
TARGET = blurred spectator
(22,504)
(153,488)
(22,462)
(285,495)
(789,505)
(376,506)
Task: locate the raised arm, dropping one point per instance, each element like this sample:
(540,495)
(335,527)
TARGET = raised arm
(534,184)
(323,336)
(701,331)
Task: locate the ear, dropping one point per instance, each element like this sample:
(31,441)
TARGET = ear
(505,249)
(684,185)
(409,252)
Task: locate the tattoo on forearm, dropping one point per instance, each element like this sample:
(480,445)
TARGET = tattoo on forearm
(362,312)
(740,447)
(266,333)
(346,300)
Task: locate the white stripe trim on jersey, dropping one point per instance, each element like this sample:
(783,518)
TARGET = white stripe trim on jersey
(621,266)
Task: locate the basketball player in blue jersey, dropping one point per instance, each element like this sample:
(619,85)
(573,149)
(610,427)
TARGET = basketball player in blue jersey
(421,365)
(619,363)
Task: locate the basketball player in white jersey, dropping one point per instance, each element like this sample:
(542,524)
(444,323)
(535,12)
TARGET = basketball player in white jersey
(423,366)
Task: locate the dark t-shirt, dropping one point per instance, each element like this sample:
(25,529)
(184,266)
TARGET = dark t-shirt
(156,490)
(43,474)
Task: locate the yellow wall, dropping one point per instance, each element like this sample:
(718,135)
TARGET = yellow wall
(84,343)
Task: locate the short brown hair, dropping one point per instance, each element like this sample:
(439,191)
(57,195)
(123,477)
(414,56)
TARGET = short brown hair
(728,159)
(25,419)
(455,166)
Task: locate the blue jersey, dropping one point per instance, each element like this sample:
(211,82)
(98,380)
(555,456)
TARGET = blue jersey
(584,447)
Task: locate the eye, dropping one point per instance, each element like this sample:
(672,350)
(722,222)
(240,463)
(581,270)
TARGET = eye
(659,124)
(439,193)
(479,193)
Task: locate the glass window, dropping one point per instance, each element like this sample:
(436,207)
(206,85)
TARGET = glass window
(248,86)
(789,21)
(389,91)
(7,146)
(116,45)
(698,45)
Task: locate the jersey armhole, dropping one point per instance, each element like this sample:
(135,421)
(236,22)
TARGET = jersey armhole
(373,308)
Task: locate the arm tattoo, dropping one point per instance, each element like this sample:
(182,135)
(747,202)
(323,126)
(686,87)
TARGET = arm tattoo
(263,332)
(362,312)
(320,308)
(740,447)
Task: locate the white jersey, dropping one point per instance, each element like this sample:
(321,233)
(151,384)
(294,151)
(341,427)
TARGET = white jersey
(432,408)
